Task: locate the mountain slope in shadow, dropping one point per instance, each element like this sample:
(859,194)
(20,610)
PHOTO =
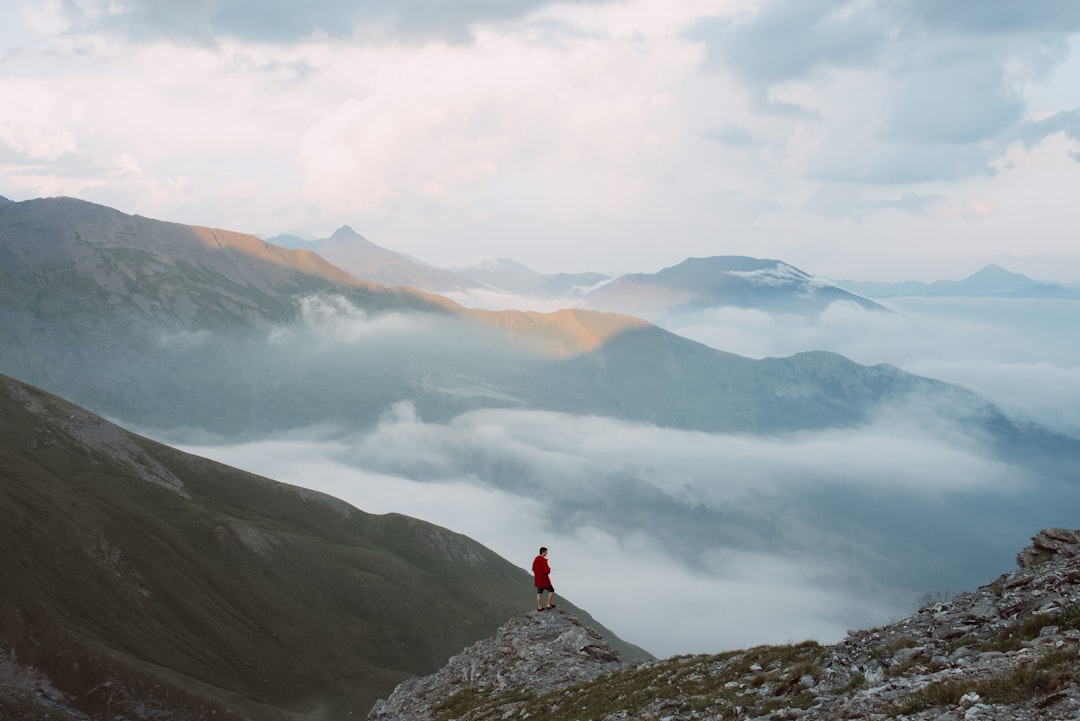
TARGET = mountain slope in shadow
(141,581)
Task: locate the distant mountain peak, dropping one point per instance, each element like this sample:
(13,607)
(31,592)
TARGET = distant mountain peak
(996,272)
(493,264)
(345,231)
(723,280)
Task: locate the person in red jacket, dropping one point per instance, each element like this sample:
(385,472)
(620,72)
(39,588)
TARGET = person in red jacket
(542,580)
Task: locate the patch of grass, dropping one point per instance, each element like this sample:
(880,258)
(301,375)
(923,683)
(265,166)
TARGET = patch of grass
(1051,672)
(933,598)
(1013,637)
(901,643)
(474,702)
(966,640)
(945,693)
(1069,618)
(689,684)
(1029,680)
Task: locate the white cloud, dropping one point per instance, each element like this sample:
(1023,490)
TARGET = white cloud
(35,121)
(514,480)
(598,136)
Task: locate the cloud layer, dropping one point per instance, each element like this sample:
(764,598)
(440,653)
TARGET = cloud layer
(696,542)
(855,139)
(657,531)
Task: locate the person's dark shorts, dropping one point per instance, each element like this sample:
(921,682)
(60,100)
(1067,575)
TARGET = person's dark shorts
(549,589)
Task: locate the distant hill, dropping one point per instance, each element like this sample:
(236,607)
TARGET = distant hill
(353,252)
(142,582)
(732,281)
(296,240)
(72,257)
(170,325)
(513,277)
(992,281)
(694,284)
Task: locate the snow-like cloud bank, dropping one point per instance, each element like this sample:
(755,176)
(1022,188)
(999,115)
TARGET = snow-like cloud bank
(668,536)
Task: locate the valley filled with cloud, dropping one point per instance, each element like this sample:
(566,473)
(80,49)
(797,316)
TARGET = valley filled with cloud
(686,541)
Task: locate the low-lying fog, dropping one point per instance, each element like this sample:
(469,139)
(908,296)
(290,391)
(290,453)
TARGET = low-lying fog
(693,542)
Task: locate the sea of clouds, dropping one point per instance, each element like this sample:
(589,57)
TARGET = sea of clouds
(685,541)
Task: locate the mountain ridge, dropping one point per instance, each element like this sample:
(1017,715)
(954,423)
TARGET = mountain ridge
(716,281)
(692,284)
(131,294)
(990,281)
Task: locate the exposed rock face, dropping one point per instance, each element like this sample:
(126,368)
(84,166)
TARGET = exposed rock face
(1049,543)
(1008,651)
(545,650)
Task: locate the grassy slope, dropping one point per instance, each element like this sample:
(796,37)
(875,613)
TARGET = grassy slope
(231,593)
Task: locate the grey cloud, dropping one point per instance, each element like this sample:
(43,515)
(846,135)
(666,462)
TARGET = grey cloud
(994,17)
(945,104)
(732,136)
(946,100)
(738,207)
(287,21)
(842,201)
(790,38)
(1067,122)
(787,39)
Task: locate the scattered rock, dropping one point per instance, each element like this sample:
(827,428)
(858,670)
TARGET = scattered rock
(1008,651)
(533,654)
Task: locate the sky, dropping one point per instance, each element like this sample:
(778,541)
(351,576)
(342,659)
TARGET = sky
(869,140)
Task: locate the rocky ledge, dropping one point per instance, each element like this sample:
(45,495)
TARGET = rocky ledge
(1008,651)
(527,656)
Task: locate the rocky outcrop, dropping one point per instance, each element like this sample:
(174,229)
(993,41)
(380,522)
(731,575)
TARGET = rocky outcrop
(1047,544)
(1008,651)
(528,656)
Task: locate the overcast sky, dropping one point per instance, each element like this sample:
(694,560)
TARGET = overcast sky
(872,139)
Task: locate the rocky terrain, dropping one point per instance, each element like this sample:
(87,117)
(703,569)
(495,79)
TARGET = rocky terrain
(1009,650)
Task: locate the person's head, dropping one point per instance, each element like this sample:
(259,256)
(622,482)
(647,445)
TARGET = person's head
(543,551)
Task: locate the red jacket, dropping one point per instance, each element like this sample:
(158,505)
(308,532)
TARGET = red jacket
(541,569)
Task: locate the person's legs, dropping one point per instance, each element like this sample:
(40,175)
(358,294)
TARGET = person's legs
(549,603)
(538,595)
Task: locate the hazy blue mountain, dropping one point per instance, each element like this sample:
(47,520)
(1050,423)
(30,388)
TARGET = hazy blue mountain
(165,326)
(992,281)
(4,200)
(293,240)
(694,284)
(145,582)
(353,252)
(737,281)
(169,325)
(513,277)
